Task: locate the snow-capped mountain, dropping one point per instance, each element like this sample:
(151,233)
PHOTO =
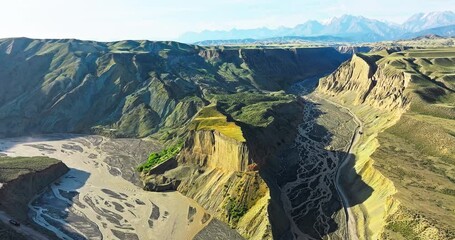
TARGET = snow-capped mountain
(348,27)
(422,21)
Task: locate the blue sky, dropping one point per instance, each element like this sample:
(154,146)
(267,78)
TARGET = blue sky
(107,20)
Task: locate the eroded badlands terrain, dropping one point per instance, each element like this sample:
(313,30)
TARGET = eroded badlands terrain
(95,201)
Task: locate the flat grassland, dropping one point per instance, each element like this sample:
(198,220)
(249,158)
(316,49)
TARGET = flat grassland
(210,118)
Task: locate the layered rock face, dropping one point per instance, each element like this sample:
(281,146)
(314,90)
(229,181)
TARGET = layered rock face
(212,149)
(21,179)
(377,86)
(213,170)
(143,88)
(224,185)
(223,164)
(405,101)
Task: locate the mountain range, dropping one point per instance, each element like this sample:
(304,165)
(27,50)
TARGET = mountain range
(346,28)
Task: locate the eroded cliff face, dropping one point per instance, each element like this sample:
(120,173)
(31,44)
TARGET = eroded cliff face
(388,91)
(214,170)
(367,89)
(232,167)
(362,81)
(212,149)
(16,194)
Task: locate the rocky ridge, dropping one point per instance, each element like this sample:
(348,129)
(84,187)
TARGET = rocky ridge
(390,92)
(134,88)
(224,169)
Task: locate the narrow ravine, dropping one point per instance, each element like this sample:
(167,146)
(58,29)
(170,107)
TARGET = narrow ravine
(313,202)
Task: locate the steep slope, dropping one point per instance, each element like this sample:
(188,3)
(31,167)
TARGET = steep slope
(446,31)
(345,28)
(134,88)
(406,154)
(20,180)
(359,28)
(228,153)
(142,88)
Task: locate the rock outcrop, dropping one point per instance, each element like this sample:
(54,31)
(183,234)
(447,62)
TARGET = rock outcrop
(16,194)
(212,149)
(213,169)
(223,163)
(368,82)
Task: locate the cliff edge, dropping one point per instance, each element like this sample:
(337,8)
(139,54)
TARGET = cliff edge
(23,178)
(225,157)
(405,102)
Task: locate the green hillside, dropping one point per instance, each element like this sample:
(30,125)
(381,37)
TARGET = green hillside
(135,88)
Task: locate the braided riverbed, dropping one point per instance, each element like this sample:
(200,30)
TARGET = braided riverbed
(94,200)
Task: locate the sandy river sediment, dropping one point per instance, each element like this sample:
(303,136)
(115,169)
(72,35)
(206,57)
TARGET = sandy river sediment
(94,200)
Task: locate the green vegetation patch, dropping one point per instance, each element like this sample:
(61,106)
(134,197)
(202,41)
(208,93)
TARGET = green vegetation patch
(235,210)
(404,228)
(255,109)
(13,167)
(159,157)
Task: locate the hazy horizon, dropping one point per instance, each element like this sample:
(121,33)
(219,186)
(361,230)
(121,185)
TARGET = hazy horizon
(141,20)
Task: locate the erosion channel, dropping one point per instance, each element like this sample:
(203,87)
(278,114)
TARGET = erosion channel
(313,199)
(97,198)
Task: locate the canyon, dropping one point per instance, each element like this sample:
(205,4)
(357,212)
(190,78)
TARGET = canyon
(165,140)
(390,92)
(94,200)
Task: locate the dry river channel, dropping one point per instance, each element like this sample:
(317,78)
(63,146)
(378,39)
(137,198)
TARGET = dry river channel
(100,197)
(314,204)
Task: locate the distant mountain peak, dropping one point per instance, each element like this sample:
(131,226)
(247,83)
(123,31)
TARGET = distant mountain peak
(347,26)
(421,21)
(346,18)
(429,36)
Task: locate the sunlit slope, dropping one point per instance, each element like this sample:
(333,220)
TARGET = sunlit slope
(134,88)
(407,152)
(229,145)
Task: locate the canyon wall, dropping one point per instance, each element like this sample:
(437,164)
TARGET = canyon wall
(367,83)
(16,194)
(213,169)
(229,167)
(388,91)
(212,149)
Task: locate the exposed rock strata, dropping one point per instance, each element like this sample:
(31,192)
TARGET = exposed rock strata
(212,149)
(368,84)
(213,170)
(388,92)
(234,179)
